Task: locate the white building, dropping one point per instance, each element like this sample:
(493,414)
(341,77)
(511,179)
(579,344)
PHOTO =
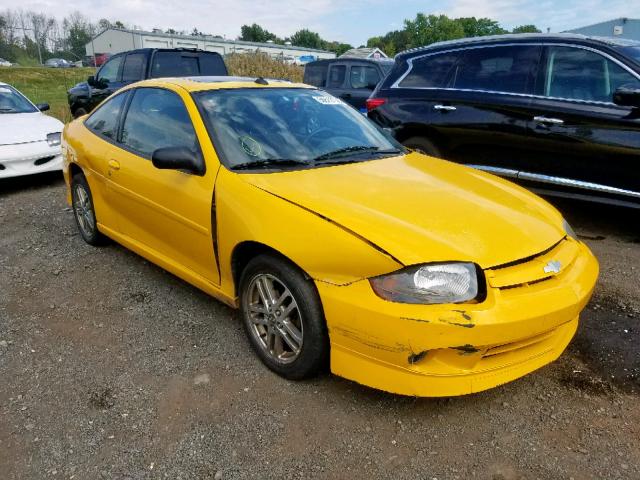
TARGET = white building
(115,40)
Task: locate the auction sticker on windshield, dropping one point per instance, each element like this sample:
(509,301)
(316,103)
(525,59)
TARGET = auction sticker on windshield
(327,100)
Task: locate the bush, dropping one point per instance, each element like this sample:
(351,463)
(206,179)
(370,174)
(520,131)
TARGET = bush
(261,65)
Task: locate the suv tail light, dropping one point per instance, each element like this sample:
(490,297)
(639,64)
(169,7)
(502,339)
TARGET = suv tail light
(373,103)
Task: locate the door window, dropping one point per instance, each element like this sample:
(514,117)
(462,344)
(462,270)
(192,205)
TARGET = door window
(109,71)
(509,69)
(157,118)
(336,76)
(133,67)
(104,120)
(364,77)
(433,71)
(579,74)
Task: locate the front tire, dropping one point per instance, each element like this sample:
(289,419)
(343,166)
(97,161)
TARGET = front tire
(83,211)
(79,112)
(283,318)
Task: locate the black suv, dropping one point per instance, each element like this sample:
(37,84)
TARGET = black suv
(560,113)
(352,79)
(128,67)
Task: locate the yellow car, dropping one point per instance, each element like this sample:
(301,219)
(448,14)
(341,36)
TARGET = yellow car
(400,271)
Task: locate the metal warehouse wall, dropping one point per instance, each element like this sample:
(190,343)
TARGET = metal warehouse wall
(116,41)
(630,29)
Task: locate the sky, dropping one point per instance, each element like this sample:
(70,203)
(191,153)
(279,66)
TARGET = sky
(350,21)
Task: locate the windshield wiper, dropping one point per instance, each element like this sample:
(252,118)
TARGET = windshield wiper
(269,162)
(342,152)
(7,109)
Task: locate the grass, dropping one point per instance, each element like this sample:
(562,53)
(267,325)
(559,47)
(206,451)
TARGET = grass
(50,85)
(46,85)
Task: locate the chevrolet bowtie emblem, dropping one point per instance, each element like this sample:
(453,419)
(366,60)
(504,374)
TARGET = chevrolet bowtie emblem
(553,266)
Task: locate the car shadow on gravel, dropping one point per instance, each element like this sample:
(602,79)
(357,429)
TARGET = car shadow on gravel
(35,182)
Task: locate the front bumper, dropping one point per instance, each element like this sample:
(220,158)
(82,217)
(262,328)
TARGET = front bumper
(446,350)
(29,158)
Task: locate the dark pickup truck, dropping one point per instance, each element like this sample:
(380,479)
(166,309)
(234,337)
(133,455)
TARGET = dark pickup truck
(135,65)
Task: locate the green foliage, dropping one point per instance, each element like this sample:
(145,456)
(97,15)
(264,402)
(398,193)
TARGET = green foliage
(480,27)
(427,29)
(307,38)
(255,33)
(526,29)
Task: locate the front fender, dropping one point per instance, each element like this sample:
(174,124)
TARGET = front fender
(326,251)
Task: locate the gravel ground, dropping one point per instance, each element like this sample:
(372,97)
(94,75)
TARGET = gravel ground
(112,368)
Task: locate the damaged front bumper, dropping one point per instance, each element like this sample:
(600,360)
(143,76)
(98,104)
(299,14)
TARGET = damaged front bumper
(447,350)
(29,158)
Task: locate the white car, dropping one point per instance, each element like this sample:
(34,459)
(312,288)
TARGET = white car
(29,139)
(5,63)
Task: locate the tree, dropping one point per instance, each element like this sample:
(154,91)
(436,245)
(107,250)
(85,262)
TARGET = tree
(337,47)
(118,24)
(307,38)
(526,29)
(428,29)
(78,29)
(255,33)
(480,27)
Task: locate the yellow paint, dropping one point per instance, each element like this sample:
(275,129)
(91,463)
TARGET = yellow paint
(344,224)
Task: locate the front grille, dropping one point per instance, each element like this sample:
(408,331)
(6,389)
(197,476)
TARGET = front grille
(518,345)
(43,160)
(532,270)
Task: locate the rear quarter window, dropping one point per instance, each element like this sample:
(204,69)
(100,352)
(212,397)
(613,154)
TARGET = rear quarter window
(433,71)
(186,64)
(316,75)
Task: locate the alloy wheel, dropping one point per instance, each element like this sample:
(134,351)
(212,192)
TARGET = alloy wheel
(83,210)
(274,317)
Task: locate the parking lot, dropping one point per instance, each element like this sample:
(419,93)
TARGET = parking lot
(113,368)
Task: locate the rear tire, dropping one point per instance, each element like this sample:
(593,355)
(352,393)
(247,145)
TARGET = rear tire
(83,211)
(423,145)
(283,317)
(79,112)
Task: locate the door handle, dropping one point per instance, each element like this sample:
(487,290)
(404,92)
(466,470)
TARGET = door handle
(445,108)
(548,121)
(114,165)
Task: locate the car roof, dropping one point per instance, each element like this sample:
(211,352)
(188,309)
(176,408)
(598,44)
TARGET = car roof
(522,37)
(351,59)
(196,84)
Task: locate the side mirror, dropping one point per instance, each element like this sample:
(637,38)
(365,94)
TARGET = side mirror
(627,96)
(43,107)
(91,80)
(178,158)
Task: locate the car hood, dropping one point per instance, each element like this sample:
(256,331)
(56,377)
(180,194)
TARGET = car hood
(420,209)
(27,127)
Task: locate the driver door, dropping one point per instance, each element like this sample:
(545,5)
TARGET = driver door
(107,80)
(167,213)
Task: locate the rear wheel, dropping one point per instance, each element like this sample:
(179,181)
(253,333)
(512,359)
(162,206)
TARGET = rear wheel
(83,211)
(423,145)
(283,317)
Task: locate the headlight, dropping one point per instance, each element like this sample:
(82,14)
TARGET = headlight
(427,284)
(53,139)
(569,231)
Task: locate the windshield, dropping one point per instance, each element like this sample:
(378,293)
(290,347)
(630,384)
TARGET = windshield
(12,101)
(633,52)
(288,127)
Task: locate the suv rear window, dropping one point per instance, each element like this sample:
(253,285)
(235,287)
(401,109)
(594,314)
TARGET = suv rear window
(433,71)
(316,75)
(186,64)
